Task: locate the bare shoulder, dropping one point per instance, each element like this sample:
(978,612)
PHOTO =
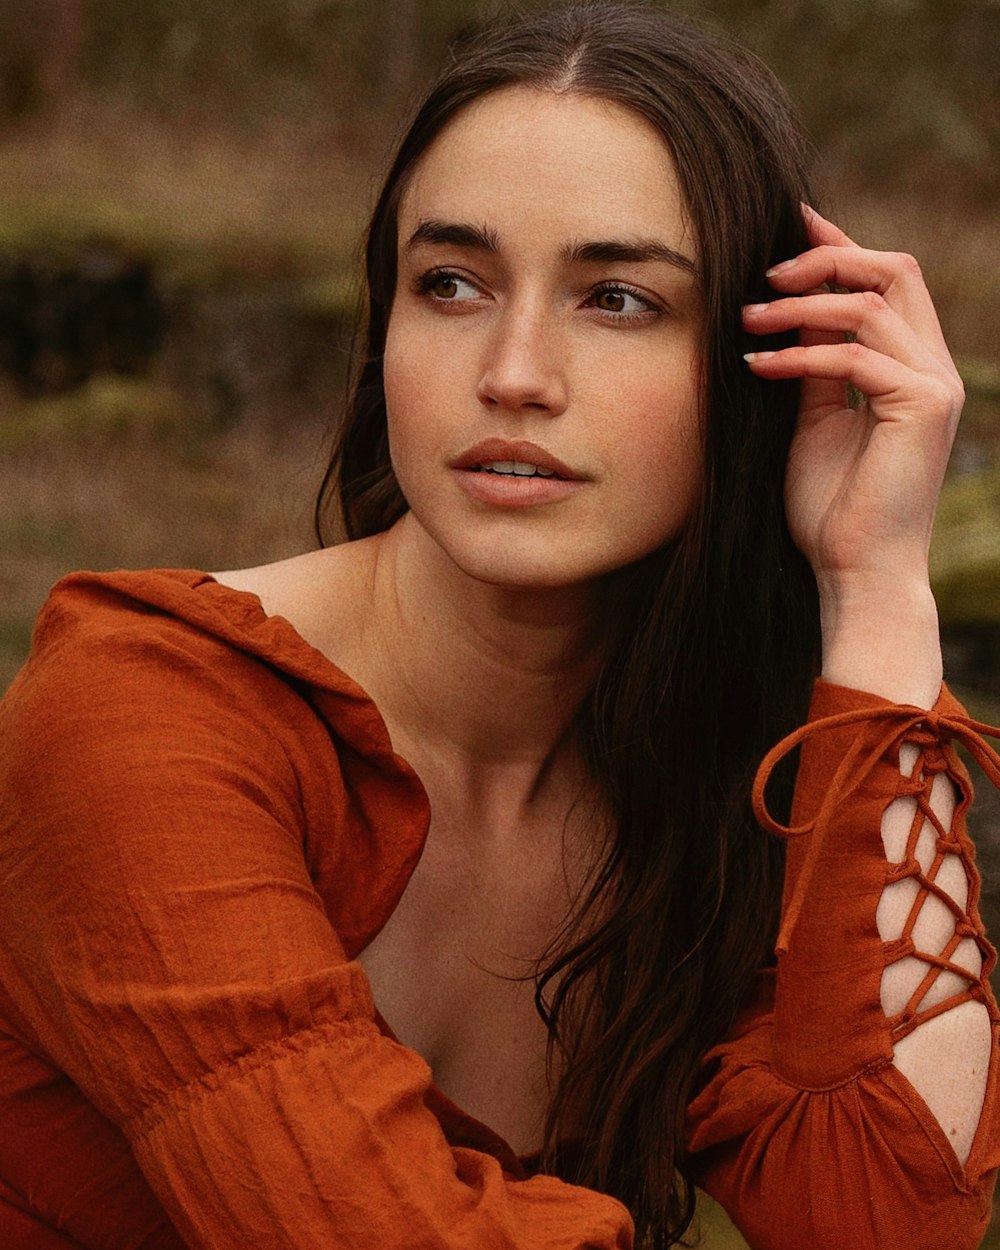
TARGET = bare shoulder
(325,595)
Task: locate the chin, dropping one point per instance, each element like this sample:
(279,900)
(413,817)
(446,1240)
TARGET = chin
(516,555)
(524,567)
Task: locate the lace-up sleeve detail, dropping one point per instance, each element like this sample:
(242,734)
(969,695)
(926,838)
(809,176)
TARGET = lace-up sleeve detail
(817,1091)
(931,732)
(931,997)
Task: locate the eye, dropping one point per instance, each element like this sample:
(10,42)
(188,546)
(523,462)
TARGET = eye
(447,287)
(622,302)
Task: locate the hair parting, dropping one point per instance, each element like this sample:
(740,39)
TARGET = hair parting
(715,638)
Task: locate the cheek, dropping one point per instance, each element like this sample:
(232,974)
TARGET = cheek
(405,387)
(396,369)
(416,369)
(662,459)
(404,440)
(660,428)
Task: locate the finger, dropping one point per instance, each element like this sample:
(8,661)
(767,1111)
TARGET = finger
(866,315)
(820,230)
(816,395)
(821,395)
(893,275)
(893,389)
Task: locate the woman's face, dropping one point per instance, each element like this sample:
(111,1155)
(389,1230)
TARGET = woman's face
(542,356)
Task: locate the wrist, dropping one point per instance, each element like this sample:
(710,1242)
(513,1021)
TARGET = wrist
(881,635)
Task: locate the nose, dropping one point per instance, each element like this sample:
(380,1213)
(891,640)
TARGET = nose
(524,369)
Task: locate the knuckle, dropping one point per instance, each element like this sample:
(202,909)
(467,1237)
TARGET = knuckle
(908,265)
(939,394)
(943,394)
(831,254)
(873,303)
(954,381)
(855,351)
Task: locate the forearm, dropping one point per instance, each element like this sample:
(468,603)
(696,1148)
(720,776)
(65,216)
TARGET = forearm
(883,1016)
(880,634)
(817,1096)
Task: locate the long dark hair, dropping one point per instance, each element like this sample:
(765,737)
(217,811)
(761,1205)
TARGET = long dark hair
(715,637)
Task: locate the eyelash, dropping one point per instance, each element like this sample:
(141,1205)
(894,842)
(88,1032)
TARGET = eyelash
(651,307)
(426,282)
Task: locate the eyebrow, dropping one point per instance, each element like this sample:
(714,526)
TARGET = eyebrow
(607,251)
(481,238)
(629,251)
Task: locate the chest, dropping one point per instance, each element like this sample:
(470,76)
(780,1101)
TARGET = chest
(452,972)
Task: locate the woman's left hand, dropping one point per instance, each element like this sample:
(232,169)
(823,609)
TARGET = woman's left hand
(862,482)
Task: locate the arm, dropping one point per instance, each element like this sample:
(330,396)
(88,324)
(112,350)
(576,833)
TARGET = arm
(807,1129)
(861,1094)
(862,489)
(180,966)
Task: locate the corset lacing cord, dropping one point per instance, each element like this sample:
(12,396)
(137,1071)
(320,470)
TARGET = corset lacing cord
(928,730)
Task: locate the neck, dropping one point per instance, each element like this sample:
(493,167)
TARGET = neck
(479,680)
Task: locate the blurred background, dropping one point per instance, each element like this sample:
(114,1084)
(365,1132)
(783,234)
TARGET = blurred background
(182,188)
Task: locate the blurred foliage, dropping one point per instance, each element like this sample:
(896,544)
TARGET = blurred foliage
(341,67)
(309,62)
(915,78)
(965,554)
(106,408)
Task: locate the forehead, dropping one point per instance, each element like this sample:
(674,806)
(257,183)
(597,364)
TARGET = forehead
(525,159)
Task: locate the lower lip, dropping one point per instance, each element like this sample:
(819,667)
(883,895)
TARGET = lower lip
(510,491)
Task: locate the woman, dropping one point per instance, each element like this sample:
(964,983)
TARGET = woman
(574,619)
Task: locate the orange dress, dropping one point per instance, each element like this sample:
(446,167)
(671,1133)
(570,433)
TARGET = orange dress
(202,823)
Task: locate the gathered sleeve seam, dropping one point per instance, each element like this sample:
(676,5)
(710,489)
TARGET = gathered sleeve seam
(265,1055)
(869,1069)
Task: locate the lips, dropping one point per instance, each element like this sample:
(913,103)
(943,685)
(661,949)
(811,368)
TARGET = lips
(514,458)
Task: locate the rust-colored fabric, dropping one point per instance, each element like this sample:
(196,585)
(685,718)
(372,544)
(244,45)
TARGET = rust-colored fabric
(202,823)
(807,1133)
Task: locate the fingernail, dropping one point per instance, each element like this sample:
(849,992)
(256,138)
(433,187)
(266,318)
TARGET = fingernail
(752,357)
(754,308)
(785,264)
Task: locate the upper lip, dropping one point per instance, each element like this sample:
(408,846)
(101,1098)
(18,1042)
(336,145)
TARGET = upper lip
(491,450)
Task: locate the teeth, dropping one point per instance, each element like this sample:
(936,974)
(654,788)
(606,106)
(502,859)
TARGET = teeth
(515,468)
